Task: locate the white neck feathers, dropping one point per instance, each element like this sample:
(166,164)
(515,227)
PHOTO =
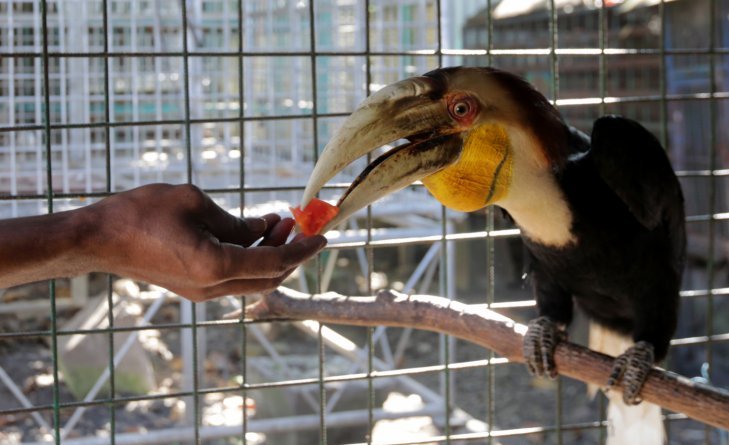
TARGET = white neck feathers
(534,198)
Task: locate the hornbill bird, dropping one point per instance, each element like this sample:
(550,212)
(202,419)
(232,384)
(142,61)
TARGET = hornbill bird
(602,217)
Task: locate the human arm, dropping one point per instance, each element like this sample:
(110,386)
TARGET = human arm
(172,236)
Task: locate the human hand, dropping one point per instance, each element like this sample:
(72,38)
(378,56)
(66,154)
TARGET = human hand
(176,237)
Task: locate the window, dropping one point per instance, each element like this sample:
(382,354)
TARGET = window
(120,37)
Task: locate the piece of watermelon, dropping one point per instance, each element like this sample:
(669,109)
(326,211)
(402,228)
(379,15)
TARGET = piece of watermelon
(315,216)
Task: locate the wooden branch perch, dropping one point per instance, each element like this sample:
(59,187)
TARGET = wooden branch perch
(490,330)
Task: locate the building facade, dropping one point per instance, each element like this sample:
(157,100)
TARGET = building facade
(160,71)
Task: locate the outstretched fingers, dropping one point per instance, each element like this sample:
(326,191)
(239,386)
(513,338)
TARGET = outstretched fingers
(278,232)
(253,270)
(228,228)
(234,287)
(269,261)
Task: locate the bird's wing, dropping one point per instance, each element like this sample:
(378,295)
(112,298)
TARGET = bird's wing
(635,166)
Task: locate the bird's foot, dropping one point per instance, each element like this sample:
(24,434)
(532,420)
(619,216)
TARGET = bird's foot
(631,368)
(539,343)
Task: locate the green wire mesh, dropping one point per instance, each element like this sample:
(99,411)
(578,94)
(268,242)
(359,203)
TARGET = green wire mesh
(487,50)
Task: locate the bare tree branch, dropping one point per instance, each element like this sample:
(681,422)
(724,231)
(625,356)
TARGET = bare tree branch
(490,330)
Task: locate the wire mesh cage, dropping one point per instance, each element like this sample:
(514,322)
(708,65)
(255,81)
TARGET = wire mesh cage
(239,98)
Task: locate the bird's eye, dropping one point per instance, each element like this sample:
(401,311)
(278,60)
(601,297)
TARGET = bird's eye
(461,109)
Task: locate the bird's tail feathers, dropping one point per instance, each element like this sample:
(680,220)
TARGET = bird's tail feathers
(608,342)
(627,425)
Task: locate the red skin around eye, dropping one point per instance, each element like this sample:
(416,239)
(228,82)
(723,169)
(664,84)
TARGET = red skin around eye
(314,216)
(454,99)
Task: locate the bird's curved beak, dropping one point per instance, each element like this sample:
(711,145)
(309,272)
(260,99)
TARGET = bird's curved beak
(411,109)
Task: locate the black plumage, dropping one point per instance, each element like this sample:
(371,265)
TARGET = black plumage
(624,270)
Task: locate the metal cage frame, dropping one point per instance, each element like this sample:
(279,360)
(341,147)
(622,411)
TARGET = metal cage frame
(368,243)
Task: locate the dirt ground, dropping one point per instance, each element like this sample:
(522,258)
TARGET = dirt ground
(515,400)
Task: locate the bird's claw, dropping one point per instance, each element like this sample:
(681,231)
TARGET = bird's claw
(539,343)
(631,368)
